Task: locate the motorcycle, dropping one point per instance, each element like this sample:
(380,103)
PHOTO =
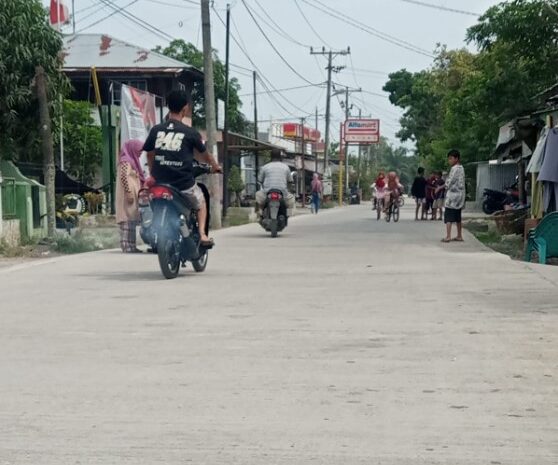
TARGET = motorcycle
(274,215)
(496,200)
(170,227)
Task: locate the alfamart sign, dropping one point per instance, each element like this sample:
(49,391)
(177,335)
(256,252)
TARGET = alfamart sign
(362,131)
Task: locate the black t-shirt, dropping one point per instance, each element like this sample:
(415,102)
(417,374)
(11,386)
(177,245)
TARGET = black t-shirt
(174,144)
(419,187)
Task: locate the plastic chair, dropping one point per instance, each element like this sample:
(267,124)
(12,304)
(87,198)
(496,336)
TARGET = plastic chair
(543,239)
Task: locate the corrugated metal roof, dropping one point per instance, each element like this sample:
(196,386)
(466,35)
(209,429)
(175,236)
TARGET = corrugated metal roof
(104,51)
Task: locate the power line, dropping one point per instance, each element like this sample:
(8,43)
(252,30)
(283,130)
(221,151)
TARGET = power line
(278,29)
(260,75)
(110,15)
(368,29)
(160,2)
(291,67)
(441,7)
(310,24)
(279,90)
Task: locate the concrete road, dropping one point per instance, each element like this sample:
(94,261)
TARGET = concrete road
(345,341)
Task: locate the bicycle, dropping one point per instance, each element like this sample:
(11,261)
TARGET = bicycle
(393,211)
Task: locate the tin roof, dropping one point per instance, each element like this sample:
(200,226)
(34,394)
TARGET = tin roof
(83,51)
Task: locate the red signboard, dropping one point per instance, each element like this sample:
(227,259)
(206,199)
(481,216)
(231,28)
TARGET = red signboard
(295,131)
(362,131)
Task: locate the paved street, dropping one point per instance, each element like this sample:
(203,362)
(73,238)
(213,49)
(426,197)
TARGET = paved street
(345,341)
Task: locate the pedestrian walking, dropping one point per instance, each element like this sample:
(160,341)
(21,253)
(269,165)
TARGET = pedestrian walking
(455,197)
(418,191)
(317,191)
(129,181)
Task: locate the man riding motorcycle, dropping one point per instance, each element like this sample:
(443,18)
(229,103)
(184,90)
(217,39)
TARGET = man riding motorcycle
(275,175)
(171,148)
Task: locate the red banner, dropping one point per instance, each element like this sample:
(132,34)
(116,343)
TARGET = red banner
(59,13)
(295,131)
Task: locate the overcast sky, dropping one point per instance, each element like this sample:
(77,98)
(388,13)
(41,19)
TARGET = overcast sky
(371,59)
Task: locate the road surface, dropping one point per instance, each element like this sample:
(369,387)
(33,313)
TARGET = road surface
(344,341)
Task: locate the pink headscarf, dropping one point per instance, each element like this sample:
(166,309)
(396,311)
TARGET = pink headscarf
(130,153)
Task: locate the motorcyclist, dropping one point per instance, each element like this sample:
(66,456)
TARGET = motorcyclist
(171,149)
(275,175)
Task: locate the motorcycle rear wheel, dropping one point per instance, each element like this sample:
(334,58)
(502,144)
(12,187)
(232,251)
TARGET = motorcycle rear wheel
(168,251)
(486,208)
(273,226)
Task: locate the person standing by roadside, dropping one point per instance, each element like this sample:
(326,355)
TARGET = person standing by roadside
(317,191)
(439,196)
(418,191)
(129,181)
(455,197)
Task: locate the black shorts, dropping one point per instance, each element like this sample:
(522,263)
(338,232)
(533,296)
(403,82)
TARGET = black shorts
(452,215)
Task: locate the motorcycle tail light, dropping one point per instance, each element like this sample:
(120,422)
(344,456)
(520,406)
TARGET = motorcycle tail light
(160,192)
(275,196)
(143,198)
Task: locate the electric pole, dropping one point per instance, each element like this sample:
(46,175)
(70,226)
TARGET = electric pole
(316,143)
(359,153)
(256,131)
(330,68)
(48,152)
(210,120)
(226,167)
(303,171)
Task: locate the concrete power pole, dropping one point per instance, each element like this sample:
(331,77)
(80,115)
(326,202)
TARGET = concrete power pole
(330,68)
(210,119)
(48,152)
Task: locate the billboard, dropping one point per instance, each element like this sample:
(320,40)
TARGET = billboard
(295,131)
(137,116)
(362,131)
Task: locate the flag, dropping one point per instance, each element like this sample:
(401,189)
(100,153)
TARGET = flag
(59,13)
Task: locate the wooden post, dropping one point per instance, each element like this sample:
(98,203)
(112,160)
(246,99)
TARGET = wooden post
(48,152)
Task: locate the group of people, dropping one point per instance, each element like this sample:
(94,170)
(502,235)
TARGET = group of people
(442,198)
(429,194)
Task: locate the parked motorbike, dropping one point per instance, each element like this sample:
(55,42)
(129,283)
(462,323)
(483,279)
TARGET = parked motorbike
(496,200)
(170,227)
(274,215)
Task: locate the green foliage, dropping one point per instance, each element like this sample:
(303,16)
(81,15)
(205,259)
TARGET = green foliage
(188,53)
(463,98)
(83,145)
(26,41)
(236,184)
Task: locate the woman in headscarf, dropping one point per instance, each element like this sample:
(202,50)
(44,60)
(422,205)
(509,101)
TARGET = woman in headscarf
(129,181)
(317,191)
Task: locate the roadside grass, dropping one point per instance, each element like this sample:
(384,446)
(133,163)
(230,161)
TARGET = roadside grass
(511,245)
(82,241)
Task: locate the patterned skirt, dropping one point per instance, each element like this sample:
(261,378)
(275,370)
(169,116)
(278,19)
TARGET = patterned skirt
(128,236)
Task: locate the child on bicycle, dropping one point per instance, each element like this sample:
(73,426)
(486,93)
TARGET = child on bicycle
(394,189)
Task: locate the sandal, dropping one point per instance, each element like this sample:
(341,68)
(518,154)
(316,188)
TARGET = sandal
(446,241)
(207,244)
(457,239)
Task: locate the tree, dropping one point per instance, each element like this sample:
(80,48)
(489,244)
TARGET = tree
(26,41)
(83,144)
(463,98)
(188,53)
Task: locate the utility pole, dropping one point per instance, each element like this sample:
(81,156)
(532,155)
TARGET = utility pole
(226,164)
(303,171)
(73,16)
(316,143)
(210,121)
(330,68)
(359,153)
(48,152)
(256,131)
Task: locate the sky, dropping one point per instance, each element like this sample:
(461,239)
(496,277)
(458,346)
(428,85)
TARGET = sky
(410,32)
